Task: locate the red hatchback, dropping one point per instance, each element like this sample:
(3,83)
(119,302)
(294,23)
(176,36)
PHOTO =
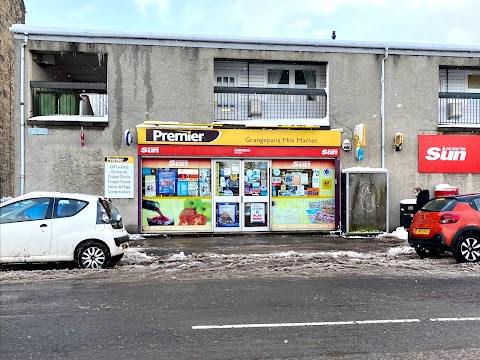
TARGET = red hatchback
(448,223)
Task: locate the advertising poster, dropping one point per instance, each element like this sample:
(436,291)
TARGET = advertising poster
(304,213)
(257,213)
(227,215)
(177,195)
(172,213)
(119,177)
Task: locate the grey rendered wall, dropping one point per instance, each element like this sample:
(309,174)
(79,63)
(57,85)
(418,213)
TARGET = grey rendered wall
(176,84)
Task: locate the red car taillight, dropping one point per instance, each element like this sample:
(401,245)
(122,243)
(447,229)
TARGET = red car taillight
(449,218)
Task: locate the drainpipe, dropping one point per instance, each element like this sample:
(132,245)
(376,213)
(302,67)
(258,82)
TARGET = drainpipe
(382,107)
(22,115)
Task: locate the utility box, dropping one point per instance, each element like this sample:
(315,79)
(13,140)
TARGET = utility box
(408,208)
(364,201)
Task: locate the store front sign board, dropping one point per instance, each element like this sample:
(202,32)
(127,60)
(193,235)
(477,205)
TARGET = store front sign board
(448,153)
(240,137)
(119,177)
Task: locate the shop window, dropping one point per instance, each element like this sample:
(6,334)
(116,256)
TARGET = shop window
(176,194)
(303,194)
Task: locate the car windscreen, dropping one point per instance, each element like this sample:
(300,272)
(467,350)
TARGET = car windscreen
(439,204)
(114,215)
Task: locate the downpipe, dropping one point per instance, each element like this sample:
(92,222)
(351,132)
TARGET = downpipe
(22,115)
(382,107)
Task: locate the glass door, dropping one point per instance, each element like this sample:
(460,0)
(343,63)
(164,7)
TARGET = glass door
(255,198)
(241,195)
(227,195)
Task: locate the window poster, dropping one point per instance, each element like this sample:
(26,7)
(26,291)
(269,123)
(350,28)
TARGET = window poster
(303,197)
(150,185)
(166,181)
(176,195)
(227,215)
(257,213)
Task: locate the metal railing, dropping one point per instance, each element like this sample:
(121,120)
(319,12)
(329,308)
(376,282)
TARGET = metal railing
(246,103)
(69,98)
(458,109)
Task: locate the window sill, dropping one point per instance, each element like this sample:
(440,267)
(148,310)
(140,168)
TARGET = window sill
(69,120)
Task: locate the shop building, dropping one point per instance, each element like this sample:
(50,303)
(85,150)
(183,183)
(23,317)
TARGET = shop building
(163,124)
(201,178)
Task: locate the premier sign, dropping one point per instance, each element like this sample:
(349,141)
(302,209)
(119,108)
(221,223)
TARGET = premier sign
(449,153)
(181,136)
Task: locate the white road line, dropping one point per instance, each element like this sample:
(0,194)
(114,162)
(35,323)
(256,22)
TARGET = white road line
(457,319)
(328,323)
(323,323)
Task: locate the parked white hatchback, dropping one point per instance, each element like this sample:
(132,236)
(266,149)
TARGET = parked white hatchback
(53,226)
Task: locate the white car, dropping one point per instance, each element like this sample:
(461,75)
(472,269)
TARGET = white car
(53,226)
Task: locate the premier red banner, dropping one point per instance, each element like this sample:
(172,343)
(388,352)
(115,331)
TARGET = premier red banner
(238,151)
(449,153)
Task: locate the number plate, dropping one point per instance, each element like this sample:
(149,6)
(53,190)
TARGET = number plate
(422,231)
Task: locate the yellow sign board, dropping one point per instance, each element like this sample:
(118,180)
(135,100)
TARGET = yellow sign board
(238,137)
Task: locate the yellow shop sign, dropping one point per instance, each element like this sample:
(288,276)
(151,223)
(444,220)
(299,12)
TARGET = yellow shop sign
(238,137)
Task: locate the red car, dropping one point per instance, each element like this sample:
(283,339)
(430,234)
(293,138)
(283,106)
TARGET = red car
(450,223)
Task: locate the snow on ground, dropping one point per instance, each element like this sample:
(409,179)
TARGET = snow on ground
(137,265)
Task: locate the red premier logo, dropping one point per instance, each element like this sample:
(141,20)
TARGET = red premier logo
(448,153)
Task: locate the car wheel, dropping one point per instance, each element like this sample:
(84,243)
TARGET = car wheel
(468,249)
(93,256)
(115,259)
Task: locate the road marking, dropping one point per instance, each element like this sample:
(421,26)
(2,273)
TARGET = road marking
(323,323)
(328,323)
(457,319)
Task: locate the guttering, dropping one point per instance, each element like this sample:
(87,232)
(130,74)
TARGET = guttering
(22,114)
(240,43)
(382,107)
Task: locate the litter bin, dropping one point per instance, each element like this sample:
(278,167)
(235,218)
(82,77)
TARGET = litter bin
(408,208)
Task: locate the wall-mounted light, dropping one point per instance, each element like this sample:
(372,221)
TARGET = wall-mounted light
(346,145)
(128,137)
(398,141)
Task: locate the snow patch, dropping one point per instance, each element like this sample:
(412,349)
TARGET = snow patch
(178,257)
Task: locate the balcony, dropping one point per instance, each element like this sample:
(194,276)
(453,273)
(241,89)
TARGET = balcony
(69,103)
(251,103)
(459,110)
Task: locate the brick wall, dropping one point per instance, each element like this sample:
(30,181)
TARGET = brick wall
(11,12)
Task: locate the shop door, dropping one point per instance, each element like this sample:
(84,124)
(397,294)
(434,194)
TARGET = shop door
(241,195)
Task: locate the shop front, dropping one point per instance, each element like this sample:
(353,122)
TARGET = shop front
(206,179)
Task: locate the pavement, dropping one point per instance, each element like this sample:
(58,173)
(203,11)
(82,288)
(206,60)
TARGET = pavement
(262,243)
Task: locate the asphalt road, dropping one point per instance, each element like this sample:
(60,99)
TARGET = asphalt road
(354,317)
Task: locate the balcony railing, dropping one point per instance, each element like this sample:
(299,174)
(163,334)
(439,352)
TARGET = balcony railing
(246,103)
(69,98)
(459,109)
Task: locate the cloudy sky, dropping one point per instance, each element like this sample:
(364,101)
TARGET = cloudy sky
(453,22)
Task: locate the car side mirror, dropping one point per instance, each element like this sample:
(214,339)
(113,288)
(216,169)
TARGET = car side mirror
(118,218)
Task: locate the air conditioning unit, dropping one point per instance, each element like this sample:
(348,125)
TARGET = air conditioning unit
(254,107)
(454,108)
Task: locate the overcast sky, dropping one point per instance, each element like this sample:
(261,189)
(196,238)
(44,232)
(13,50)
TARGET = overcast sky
(455,22)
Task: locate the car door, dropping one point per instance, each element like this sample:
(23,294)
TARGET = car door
(72,223)
(26,228)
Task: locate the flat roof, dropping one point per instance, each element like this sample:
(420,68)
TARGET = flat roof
(240,43)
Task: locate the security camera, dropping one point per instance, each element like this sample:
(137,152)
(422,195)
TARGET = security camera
(346,146)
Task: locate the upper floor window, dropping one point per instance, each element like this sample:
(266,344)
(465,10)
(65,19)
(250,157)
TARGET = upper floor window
(292,76)
(473,81)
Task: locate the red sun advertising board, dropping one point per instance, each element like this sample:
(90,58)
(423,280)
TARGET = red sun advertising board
(449,153)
